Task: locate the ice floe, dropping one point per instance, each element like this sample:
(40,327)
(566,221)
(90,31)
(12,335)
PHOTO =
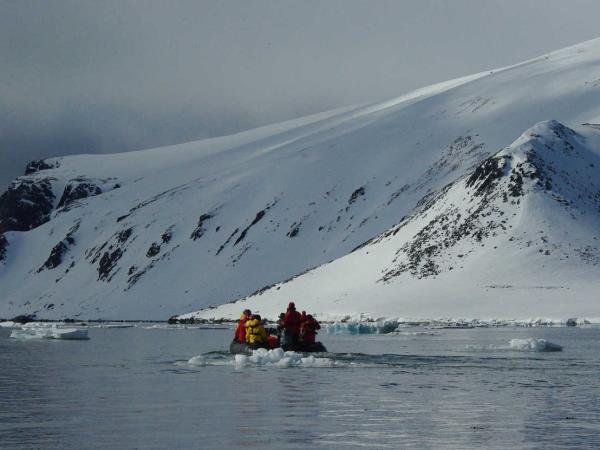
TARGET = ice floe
(266,358)
(380,327)
(49,332)
(534,345)
(521,345)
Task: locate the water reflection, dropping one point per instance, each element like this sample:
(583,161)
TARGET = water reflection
(131,388)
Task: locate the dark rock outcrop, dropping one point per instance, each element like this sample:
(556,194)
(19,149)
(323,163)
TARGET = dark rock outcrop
(56,256)
(3,247)
(153,250)
(58,251)
(107,255)
(26,204)
(107,264)
(294,230)
(167,235)
(486,175)
(257,218)
(77,189)
(24,318)
(199,231)
(37,165)
(357,193)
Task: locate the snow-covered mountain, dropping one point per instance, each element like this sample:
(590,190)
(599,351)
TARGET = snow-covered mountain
(422,177)
(519,235)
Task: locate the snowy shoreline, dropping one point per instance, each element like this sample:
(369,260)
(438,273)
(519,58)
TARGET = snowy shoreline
(362,324)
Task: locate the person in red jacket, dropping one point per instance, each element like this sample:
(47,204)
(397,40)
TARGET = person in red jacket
(309,329)
(291,323)
(240,331)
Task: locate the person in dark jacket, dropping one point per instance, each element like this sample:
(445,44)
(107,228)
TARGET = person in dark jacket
(240,331)
(280,325)
(291,323)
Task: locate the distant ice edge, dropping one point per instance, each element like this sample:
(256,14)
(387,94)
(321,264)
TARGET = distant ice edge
(364,323)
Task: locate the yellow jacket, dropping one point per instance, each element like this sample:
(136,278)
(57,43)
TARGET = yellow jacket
(255,332)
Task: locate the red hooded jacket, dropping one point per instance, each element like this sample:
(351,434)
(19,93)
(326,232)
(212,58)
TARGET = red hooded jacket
(310,327)
(292,322)
(240,331)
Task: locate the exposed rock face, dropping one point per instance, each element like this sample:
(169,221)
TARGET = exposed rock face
(77,189)
(3,247)
(58,251)
(356,194)
(153,250)
(108,254)
(37,165)
(495,191)
(24,318)
(26,204)
(257,218)
(199,231)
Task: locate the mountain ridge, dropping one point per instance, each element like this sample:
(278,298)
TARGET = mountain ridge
(158,232)
(547,175)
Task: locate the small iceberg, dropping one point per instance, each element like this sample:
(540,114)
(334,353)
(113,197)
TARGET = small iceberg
(379,327)
(534,345)
(267,358)
(27,333)
(280,359)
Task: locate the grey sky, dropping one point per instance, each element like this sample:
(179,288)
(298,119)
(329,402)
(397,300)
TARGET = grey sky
(106,76)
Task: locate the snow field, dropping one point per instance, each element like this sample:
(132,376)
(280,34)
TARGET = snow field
(198,225)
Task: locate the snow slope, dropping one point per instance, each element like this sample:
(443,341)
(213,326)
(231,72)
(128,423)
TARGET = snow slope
(517,236)
(148,234)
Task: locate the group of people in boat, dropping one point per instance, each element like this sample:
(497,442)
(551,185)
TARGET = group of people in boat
(294,330)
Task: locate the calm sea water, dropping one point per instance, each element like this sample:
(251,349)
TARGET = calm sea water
(133,388)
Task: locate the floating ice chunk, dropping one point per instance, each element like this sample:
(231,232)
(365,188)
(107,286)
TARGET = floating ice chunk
(26,333)
(275,354)
(199,360)
(8,324)
(280,359)
(520,345)
(311,361)
(534,345)
(289,359)
(241,360)
(381,327)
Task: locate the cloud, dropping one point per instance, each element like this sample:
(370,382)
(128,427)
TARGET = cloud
(86,76)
